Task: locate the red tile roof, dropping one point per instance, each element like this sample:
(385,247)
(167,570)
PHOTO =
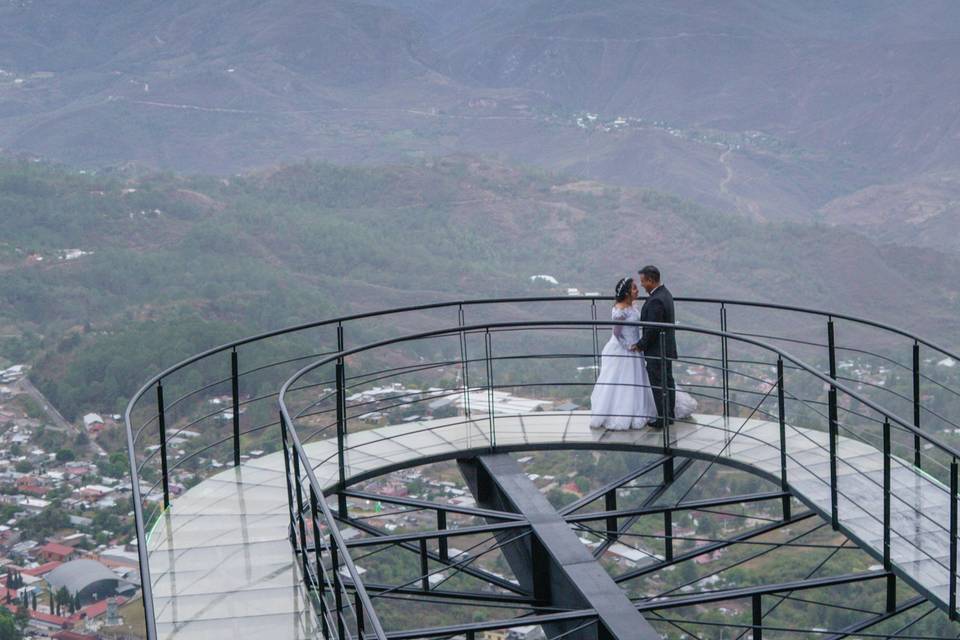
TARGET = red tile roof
(42,569)
(49,618)
(72,635)
(96,609)
(54,548)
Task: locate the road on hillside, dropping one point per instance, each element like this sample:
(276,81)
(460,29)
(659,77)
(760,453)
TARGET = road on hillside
(23,385)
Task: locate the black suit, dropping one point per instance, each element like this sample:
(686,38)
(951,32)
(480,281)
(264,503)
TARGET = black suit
(659,308)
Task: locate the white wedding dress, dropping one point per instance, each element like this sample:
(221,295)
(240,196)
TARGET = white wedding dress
(622,397)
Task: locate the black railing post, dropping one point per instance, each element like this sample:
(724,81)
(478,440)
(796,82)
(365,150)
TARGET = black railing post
(162,423)
(286,466)
(596,339)
(834,508)
(757,617)
(341,437)
(337,585)
(314,509)
(665,408)
(891,593)
(464,364)
(302,540)
(953,539)
(834,427)
(424,566)
(235,389)
(831,348)
(324,626)
(358,608)
(488,357)
(782,417)
(916,402)
(668,535)
(442,540)
(664,391)
(886,494)
(724,361)
(613,523)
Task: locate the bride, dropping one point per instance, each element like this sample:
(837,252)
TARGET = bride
(622,398)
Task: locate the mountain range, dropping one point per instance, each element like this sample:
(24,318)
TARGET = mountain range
(776,110)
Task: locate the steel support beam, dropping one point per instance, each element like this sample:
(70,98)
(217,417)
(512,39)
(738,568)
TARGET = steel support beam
(713,546)
(572,619)
(435,534)
(409,546)
(446,594)
(863,625)
(721,595)
(658,491)
(552,562)
(431,506)
(692,505)
(610,486)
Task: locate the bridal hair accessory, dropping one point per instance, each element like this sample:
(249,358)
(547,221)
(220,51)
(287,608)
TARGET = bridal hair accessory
(620,285)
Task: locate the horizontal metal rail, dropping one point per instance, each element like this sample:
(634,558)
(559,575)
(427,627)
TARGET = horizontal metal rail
(134,434)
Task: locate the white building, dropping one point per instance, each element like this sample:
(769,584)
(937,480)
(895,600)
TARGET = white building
(503,403)
(91,419)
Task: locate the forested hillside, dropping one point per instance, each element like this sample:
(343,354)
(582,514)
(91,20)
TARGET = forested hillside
(109,276)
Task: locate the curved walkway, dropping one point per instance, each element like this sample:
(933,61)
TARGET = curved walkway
(221,561)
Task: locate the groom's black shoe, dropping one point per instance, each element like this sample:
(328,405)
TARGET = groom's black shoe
(658,424)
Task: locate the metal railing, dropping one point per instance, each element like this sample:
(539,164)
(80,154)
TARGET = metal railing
(856,425)
(156,433)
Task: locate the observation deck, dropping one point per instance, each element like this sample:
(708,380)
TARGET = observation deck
(256,548)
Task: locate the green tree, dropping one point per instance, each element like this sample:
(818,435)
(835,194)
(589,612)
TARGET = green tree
(21,618)
(8,626)
(63,599)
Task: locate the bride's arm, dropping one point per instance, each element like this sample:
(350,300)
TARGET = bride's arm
(618,331)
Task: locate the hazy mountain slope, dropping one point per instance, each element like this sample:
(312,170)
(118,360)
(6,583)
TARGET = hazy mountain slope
(923,212)
(334,41)
(768,109)
(875,79)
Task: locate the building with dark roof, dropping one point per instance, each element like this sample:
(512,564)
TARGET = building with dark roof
(88,578)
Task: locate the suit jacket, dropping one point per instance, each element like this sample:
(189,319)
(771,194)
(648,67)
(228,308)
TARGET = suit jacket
(658,308)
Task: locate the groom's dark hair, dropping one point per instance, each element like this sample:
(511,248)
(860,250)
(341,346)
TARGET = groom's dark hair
(651,272)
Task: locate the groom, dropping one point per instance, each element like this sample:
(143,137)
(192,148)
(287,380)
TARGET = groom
(658,308)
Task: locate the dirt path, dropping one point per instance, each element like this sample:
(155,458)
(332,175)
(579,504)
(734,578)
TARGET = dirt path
(743,205)
(25,386)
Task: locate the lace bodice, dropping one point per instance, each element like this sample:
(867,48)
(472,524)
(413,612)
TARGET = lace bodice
(626,336)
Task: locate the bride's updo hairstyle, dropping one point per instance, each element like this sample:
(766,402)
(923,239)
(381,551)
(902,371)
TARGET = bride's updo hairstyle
(624,287)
